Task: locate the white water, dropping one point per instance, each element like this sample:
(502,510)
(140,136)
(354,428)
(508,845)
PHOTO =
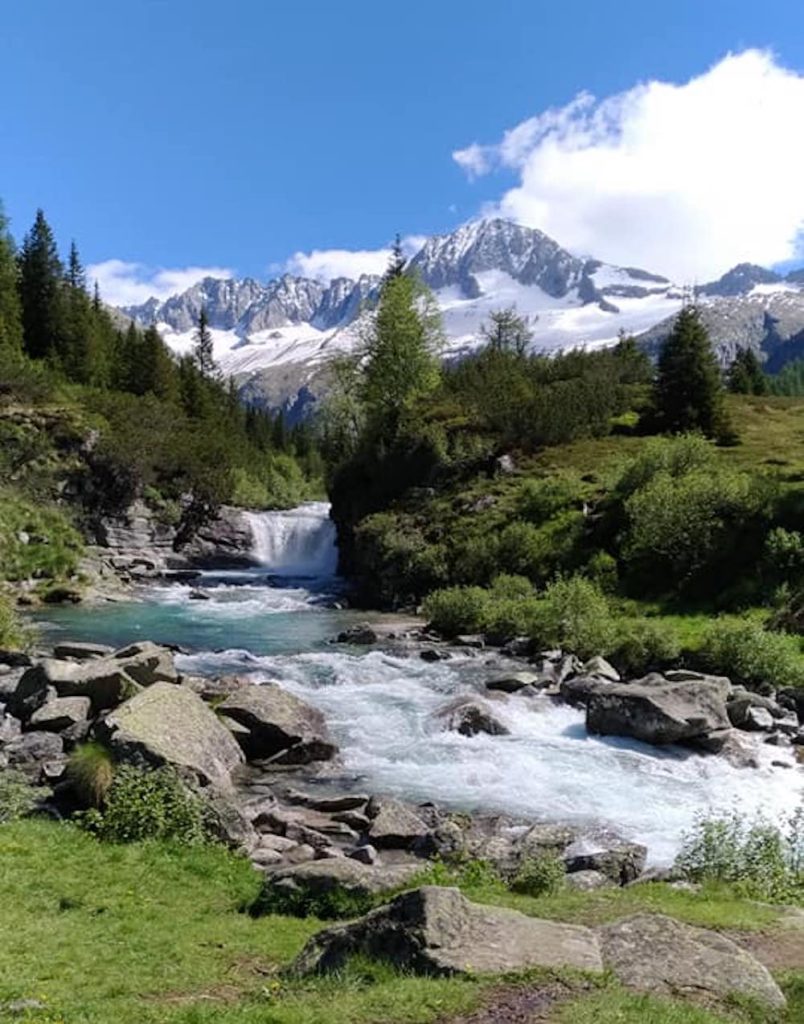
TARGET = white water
(296,542)
(380,709)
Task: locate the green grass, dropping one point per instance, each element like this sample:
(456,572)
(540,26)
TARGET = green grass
(157,934)
(149,934)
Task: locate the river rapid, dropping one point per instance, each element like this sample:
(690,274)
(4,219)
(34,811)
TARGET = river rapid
(276,622)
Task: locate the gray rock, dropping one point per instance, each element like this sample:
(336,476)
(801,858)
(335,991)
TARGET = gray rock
(617,859)
(362,881)
(32,749)
(229,822)
(578,690)
(660,712)
(361,634)
(599,667)
(167,724)
(437,931)
(327,803)
(394,825)
(654,953)
(587,881)
(281,727)
(81,651)
(10,728)
(364,854)
(474,641)
(61,713)
(470,718)
(517,681)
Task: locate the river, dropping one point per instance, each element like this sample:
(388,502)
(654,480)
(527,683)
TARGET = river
(276,622)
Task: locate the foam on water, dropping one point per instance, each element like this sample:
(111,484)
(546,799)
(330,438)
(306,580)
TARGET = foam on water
(296,542)
(380,709)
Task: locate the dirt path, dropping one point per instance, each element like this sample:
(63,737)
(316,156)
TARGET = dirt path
(520,1004)
(778,950)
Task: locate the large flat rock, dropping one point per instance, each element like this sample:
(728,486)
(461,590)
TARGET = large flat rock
(654,953)
(168,724)
(434,930)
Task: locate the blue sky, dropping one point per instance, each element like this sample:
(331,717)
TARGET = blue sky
(176,134)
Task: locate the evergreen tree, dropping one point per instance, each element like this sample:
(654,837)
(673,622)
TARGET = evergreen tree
(10,311)
(203,346)
(397,262)
(745,376)
(157,367)
(40,289)
(688,392)
(80,343)
(506,331)
(401,353)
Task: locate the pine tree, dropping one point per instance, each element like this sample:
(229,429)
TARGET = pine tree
(506,331)
(10,311)
(688,392)
(397,262)
(40,289)
(745,376)
(203,346)
(157,367)
(79,346)
(401,353)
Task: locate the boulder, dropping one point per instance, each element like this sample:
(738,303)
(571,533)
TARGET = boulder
(619,860)
(394,825)
(81,651)
(229,822)
(578,690)
(654,953)
(107,681)
(587,881)
(360,634)
(10,728)
(599,667)
(280,727)
(517,681)
(167,724)
(346,874)
(656,710)
(364,854)
(437,931)
(61,713)
(327,803)
(32,749)
(469,718)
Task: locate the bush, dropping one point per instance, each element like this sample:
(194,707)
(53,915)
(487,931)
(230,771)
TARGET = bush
(540,499)
(784,553)
(745,652)
(506,587)
(760,860)
(90,772)
(148,804)
(333,903)
(674,456)
(18,798)
(602,571)
(574,615)
(455,610)
(644,645)
(13,634)
(542,875)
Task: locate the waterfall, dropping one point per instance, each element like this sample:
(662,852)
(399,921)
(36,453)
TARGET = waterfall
(296,542)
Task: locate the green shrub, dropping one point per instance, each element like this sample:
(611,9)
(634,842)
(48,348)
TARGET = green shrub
(542,875)
(760,860)
(540,499)
(148,804)
(36,540)
(90,772)
(574,615)
(673,456)
(476,559)
(455,610)
(333,903)
(13,634)
(602,571)
(679,525)
(784,553)
(507,587)
(643,645)
(395,560)
(18,798)
(524,550)
(506,617)
(745,652)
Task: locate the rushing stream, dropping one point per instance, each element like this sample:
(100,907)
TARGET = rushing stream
(276,622)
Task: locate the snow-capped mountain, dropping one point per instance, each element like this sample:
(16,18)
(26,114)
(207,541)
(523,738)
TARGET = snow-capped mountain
(277,338)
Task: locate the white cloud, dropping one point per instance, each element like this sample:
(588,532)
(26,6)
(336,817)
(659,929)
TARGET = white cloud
(683,179)
(326,264)
(129,284)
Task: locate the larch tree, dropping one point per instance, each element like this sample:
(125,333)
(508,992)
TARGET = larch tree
(507,331)
(203,346)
